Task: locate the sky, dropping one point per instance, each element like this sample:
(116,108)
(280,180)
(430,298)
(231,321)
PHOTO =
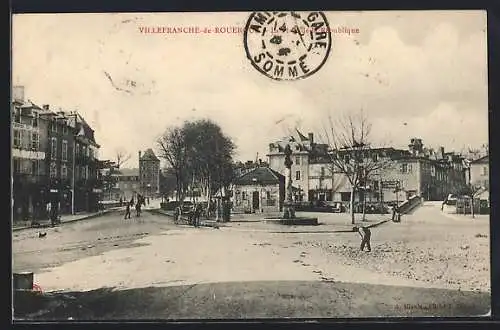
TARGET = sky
(414,74)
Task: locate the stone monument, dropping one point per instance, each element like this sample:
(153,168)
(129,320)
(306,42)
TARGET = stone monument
(288,208)
(288,217)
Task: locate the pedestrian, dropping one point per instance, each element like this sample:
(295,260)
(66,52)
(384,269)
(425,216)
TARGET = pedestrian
(394,212)
(365,234)
(53,214)
(197,214)
(147,199)
(121,201)
(127,211)
(138,208)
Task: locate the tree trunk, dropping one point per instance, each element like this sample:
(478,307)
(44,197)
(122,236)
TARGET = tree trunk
(364,205)
(353,191)
(472,206)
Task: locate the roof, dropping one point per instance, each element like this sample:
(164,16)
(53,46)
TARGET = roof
(149,155)
(482,160)
(260,175)
(129,172)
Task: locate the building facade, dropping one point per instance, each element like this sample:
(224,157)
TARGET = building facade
(415,171)
(54,160)
(29,146)
(478,173)
(149,173)
(127,184)
(258,190)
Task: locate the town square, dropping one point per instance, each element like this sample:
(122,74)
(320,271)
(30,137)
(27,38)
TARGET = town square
(225,192)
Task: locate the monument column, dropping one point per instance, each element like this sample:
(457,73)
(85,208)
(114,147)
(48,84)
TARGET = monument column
(289,211)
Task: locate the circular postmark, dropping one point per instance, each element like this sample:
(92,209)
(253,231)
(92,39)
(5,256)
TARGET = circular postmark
(287,45)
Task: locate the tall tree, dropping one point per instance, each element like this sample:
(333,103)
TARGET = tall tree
(351,152)
(174,150)
(200,155)
(210,155)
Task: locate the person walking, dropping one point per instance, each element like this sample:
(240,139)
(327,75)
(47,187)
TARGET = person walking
(127,211)
(138,208)
(197,214)
(365,234)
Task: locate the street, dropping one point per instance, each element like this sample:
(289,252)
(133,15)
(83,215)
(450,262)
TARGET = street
(427,265)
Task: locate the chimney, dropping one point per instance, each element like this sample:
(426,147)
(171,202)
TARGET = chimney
(18,93)
(441,152)
(311,137)
(46,107)
(140,155)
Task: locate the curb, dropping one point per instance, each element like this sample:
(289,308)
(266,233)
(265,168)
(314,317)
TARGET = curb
(73,220)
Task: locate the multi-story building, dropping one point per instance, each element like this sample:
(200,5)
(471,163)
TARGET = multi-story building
(54,160)
(127,184)
(416,171)
(60,158)
(478,173)
(149,173)
(29,144)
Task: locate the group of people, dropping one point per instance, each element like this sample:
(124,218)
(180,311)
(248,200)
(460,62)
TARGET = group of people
(141,200)
(194,214)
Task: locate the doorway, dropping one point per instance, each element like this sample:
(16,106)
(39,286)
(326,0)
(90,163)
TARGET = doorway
(255,200)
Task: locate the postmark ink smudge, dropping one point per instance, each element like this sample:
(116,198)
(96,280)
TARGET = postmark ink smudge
(287,45)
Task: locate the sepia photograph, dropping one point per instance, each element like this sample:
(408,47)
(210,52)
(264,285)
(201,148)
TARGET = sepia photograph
(250,165)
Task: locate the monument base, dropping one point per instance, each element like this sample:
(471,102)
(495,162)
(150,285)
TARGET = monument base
(296,221)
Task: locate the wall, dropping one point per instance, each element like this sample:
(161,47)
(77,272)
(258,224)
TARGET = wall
(243,203)
(149,174)
(479,174)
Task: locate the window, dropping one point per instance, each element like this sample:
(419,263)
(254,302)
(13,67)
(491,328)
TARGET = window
(54,127)
(243,195)
(17,138)
(297,175)
(84,172)
(375,157)
(485,170)
(410,168)
(297,160)
(35,141)
(53,170)
(91,153)
(17,166)
(64,151)
(34,120)
(17,115)
(268,195)
(345,196)
(65,129)
(433,171)
(322,171)
(64,172)
(34,167)
(53,148)
(404,168)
